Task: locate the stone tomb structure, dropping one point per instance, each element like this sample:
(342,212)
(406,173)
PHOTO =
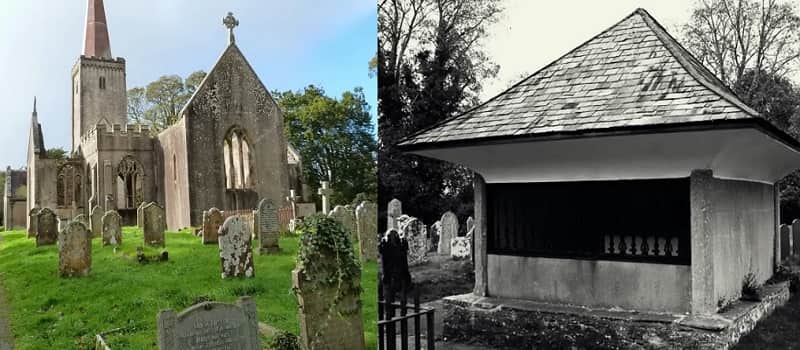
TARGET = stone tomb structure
(153,224)
(112,228)
(622,175)
(46,227)
(235,250)
(231,126)
(212,220)
(367,224)
(210,326)
(74,250)
(266,223)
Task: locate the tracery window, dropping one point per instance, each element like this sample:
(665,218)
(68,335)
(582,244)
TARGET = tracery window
(129,183)
(68,185)
(238,159)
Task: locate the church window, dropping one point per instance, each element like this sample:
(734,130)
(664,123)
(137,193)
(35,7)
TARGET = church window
(130,175)
(102,83)
(238,160)
(68,186)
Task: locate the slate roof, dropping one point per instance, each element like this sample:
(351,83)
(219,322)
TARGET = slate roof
(632,75)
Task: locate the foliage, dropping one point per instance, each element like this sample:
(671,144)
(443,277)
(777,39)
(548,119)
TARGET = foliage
(159,103)
(120,293)
(332,135)
(431,66)
(322,236)
(56,153)
(285,341)
(22,192)
(733,36)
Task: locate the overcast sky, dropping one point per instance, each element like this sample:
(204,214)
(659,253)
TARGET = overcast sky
(289,43)
(531,34)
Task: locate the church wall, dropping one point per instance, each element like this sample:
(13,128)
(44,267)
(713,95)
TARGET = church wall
(171,154)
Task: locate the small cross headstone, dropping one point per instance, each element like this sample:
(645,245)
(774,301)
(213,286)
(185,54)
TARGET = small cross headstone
(154,224)
(33,222)
(74,250)
(414,231)
(46,227)
(347,218)
(210,325)
(212,220)
(449,231)
(367,224)
(268,227)
(393,211)
(112,229)
(325,191)
(329,313)
(235,251)
(95,221)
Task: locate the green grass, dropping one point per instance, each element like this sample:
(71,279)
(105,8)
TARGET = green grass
(49,312)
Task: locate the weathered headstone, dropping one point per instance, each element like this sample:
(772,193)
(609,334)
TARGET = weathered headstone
(140,214)
(435,234)
(267,222)
(235,251)
(796,237)
(112,229)
(96,221)
(210,325)
(212,220)
(329,306)
(449,231)
(347,218)
(154,224)
(33,222)
(393,211)
(305,209)
(46,227)
(460,247)
(74,250)
(415,232)
(786,232)
(367,227)
(394,262)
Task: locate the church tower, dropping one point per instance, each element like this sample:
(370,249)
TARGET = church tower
(98,79)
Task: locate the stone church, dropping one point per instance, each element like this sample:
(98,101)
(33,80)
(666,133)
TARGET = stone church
(227,149)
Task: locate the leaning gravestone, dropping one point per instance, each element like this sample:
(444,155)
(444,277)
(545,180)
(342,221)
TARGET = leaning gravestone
(327,283)
(795,237)
(346,217)
(235,252)
(449,231)
(367,227)
(32,222)
(154,224)
(210,326)
(112,229)
(96,221)
(212,220)
(46,227)
(415,233)
(393,211)
(267,223)
(74,250)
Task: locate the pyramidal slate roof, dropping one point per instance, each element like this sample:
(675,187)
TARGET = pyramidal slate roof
(632,75)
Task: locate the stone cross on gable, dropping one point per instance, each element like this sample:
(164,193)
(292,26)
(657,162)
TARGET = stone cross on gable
(230,22)
(293,198)
(325,191)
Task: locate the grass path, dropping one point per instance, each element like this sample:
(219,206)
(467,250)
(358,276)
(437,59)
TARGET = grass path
(6,337)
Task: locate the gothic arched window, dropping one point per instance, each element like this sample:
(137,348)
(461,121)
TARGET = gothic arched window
(238,159)
(129,183)
(68,186)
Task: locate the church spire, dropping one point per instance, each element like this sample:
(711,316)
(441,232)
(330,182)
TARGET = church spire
(34,106)
(96,43)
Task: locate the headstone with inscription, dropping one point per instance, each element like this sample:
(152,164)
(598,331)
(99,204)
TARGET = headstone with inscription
(112,229)
(367,224)
(267,222)
(96,221)
(449,231)
(210,326)
(235,251)
(46,227)
(33,222)
(393,211)
(74,250)
(154,224)
(415,233)
(347,218)
(212,220)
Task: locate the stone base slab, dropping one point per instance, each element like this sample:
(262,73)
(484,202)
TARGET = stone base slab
(515,324)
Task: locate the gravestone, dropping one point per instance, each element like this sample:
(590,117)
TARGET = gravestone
(786,232)
(82,219)
(306,209)
(435,234)
(470,224)
(74,250)
(393,211)
(212,220)
(796,237)
(154,224)
(329,307)
(112,229)
(210,325)
(267,222)
(46,227)
(460,247)
(449,231)
(394,262)
(347,218)
(140,214)
(235,252)
(324,192)
(33,222)
(96,221)
(414,232)
(367,227)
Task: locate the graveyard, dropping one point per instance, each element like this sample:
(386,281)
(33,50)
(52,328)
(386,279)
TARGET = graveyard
(121,297)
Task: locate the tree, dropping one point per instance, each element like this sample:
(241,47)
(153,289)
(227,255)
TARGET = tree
(431,67)
(137,105)
(732,37)
(159,103)
(56,153)
(332,135)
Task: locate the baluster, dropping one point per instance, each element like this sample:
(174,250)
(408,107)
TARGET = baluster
(645,248)
(668,246)
(622,248)
(655,246)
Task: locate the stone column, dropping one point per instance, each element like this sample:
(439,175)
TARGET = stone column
(479,237)
(777,241)
(702,245)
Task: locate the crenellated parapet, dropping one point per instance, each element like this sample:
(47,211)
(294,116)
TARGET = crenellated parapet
(117,136)
(112,64)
